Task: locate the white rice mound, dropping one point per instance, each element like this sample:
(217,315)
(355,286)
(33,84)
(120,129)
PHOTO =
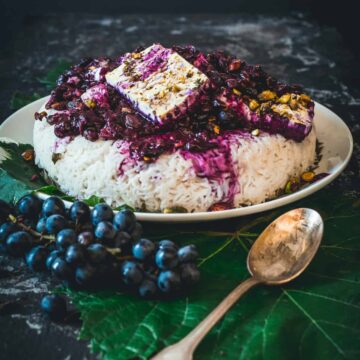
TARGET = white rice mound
(262,164)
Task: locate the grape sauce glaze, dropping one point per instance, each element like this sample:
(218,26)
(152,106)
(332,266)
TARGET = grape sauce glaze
(237,100)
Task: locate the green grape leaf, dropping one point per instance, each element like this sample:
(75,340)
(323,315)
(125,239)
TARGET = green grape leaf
(19,100)
(317,316)
(18,176)
(49,80)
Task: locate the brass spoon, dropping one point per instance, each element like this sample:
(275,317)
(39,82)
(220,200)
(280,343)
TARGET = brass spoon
(280,254)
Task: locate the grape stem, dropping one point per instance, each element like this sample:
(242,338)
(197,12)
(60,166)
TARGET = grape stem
(31,231)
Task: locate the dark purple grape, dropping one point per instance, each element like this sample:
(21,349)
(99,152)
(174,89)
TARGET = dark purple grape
(122,240)
(54,306)
(55,223)
(36,258)
(143,249)
(137,232)
(6,229)
(101,212)
(75,254)
(189,273)
(166,258)
(61,269)
(147,288)
(131,272)
(29,206)
(79,212)
(125,220)
(86,238)
(18,243)
(97,253)
(188,253)
(53,205)
(169,281)
(85,275)
(41,226)
(52,256)
(105,231)
(65,238)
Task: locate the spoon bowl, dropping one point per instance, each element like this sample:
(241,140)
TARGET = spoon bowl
(286,247)
(280,254)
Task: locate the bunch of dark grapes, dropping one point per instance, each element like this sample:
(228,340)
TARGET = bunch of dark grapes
(94,248)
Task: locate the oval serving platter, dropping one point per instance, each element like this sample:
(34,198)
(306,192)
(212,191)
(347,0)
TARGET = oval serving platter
(332,132)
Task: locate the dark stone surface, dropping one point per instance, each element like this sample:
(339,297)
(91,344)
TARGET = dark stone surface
(291,48)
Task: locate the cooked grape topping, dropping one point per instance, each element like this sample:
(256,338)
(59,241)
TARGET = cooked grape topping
(236,97)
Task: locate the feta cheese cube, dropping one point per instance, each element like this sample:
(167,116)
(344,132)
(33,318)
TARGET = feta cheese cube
(158,82)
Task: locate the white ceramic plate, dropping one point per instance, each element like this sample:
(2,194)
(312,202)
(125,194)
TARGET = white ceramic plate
(330,129)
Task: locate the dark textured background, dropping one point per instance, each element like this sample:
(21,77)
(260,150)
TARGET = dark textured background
(297,47)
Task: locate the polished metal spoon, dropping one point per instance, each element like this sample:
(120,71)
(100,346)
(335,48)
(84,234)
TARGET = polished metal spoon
(280,254)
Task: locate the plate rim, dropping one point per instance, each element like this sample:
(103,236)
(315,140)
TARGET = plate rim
(230,213)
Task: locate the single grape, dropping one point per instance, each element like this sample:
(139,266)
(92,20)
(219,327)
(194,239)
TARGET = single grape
(85,275)
(188,253)
(54,306)
(41,226)
(61,269)
(29,206)
(122,239)
(52,256)
(169,281)
(101,212)
(125,220)
(65,238)
(6,229)
(147,288)
(18,243)
(163,244)
(105,231)
(189,273)
(97,253)
(166,258)
(79,212)
(55,223)
(5,210)
(143,249)
(53,205)
(86,238)
(137,232)
(36,258)
(131,272)
(75,254)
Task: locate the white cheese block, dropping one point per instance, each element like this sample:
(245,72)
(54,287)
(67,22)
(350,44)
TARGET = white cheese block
(158,82)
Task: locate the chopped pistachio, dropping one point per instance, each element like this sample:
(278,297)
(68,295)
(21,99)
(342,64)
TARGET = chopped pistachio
(90,103)
(305,98)
(176,88)
(55,157)
(255,132)
(161,94)
(284,98)
(267,95)
(236,92)
(136,56)
(292,185)
(253,104)
(216,129)
(147,158)
(293,104)
(174,210)
(28,155)
(308,176)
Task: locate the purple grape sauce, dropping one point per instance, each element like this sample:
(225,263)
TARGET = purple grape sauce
(89,107)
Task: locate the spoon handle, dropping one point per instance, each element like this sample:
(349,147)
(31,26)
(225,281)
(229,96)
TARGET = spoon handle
(183,350)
